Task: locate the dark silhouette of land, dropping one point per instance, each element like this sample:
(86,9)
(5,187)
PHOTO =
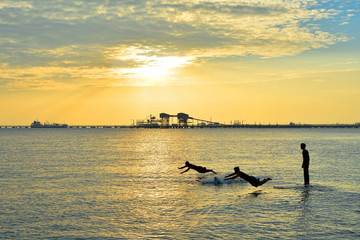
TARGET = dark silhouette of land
(356,125)
(183,120)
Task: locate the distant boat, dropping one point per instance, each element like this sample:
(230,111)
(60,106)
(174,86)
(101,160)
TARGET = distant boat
(38,124)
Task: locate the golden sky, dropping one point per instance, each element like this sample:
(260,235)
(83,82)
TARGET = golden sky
(112,61)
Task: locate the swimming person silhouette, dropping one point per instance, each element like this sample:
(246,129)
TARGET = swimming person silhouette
(199,169)
(252,180)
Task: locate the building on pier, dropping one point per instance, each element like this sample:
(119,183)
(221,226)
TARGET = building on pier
(180,120)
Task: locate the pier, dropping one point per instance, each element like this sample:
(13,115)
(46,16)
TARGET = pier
(204,126)
(71,126)
(180,120)
(183,120)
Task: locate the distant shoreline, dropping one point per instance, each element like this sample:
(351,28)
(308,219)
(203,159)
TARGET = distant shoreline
(357,125)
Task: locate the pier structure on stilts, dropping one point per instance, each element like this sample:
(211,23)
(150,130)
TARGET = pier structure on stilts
(180,120)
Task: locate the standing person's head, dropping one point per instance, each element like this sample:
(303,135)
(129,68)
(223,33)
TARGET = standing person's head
(303,146)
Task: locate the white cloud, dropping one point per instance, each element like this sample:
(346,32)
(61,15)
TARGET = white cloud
(83,33)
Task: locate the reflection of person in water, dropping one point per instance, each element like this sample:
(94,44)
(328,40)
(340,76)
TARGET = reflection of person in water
(252,180)
(200,169)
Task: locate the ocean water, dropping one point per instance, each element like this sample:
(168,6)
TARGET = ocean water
(125,184)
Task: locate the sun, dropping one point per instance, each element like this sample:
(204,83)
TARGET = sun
(159,66)
(146,69)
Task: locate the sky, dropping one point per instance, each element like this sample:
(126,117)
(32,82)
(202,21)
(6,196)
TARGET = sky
(115,62)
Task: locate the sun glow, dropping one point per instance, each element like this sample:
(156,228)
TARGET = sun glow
(157,66)
(144,68)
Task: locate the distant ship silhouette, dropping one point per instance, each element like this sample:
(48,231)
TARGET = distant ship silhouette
(38,124)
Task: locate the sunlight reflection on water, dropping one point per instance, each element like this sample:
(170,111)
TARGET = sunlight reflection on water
(125,184)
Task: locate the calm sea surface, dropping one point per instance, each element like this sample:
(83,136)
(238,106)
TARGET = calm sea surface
(125,184)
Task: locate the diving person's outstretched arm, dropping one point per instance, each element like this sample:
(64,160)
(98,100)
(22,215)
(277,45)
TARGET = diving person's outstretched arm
(185,171)
(231,176)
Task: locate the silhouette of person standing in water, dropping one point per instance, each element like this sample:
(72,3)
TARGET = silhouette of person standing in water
(199,169)
(251,179)
(306,163)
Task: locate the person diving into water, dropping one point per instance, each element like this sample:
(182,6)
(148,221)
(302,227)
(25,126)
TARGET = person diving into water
(252,180)
(199,169)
